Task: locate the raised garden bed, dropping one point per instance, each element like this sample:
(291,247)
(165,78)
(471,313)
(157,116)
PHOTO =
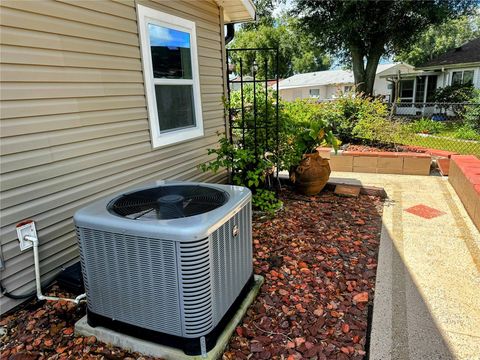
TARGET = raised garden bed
(465,178)
(381,162)
(384,148)
(319,259)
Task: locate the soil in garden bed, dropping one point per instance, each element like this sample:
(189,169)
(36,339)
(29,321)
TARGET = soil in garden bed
(388,148)
(319,260)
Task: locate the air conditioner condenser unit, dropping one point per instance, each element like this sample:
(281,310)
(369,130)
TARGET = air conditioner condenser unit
(168,262)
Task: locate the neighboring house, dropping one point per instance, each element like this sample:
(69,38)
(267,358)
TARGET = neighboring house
(326,85)
(460,65)
(81,120)
(236,81)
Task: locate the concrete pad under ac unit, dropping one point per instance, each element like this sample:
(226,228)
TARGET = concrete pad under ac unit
(149,348)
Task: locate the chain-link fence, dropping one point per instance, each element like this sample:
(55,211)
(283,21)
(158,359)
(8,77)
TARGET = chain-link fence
(442,126)
(453,112)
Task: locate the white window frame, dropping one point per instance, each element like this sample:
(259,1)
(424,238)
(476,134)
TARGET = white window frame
(147,16)
(408,99)
(463,74)
(312,95)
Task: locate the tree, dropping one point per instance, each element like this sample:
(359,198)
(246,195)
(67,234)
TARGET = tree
(365,30)
(264,12)
(439,39)
(296,54)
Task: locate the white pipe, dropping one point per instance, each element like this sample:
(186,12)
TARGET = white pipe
(36,260)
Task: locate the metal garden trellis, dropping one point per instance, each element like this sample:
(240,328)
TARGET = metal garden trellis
(259,125)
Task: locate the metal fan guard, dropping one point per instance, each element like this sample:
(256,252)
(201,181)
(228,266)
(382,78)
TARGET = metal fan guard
(153,203)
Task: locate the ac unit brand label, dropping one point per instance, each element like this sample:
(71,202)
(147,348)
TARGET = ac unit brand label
(235,231)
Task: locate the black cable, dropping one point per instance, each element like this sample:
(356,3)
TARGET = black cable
(15,297)
(24,296)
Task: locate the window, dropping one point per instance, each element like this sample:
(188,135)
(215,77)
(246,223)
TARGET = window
(462,77)
(457,77)
(468,77)
(406,90)
(314,93)
(431,88)
(170,67)
(420,88)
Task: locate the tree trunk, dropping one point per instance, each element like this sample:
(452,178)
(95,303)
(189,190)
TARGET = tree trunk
(364,76)
(358,69)
(371,68)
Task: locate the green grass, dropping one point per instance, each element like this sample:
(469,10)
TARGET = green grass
(450,131)
(443,143)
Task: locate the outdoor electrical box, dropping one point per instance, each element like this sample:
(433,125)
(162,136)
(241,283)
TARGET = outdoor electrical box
(26,228)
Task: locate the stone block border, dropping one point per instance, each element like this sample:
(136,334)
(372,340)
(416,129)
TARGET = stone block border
(380,162)
(464,176)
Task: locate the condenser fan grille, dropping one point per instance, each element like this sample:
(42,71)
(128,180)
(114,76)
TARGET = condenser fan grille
(168,202)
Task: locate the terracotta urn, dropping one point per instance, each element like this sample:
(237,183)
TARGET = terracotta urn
(311,175)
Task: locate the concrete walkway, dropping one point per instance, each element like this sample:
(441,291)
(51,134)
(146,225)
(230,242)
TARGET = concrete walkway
(427,297)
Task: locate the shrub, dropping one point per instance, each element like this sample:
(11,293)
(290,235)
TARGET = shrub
(248,167)
(307,126)
(380,129)
(266,201)
(466,132)
(350,110)
(456,93)
(426,126)
(472,113)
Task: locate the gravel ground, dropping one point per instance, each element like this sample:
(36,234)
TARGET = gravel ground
(318,256)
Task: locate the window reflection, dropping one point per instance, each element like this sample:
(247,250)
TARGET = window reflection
(170,50)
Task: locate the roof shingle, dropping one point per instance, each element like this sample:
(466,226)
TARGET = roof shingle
(467,53)
(326,77)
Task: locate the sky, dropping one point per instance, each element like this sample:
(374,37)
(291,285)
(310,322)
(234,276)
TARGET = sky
(162,36)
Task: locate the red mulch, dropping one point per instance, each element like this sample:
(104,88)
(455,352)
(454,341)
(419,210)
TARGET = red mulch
(44,330)
(318,257)
(388,148)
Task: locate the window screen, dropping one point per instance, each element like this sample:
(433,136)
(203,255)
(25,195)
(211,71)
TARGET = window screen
(175,106)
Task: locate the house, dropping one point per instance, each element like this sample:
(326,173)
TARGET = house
(459,65)
(98,96)
(236,81)
(325,85)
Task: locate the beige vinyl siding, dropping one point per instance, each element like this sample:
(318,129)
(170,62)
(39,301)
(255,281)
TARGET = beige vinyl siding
(74,121)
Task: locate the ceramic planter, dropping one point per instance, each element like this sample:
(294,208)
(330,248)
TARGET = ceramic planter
(311,175)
